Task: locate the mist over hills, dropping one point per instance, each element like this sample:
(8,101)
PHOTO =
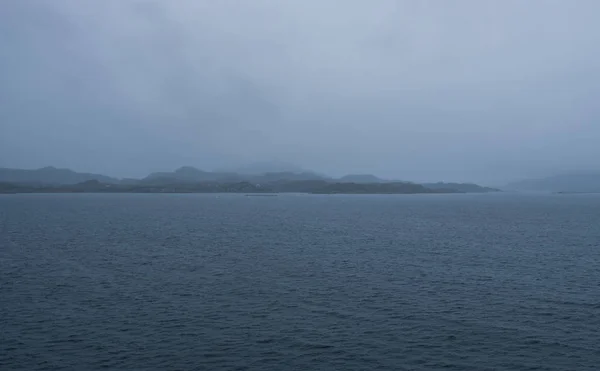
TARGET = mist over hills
(574,182)
(290,178)
(262,167)
(410,89)
(191,174)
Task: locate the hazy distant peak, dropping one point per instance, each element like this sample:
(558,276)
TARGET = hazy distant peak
(189,170)
(266,167)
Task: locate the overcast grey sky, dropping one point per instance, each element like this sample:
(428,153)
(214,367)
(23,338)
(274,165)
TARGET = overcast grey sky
(479,90)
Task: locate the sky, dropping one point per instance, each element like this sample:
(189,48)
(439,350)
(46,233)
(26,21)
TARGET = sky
(425,90)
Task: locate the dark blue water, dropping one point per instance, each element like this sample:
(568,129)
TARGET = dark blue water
(298,282)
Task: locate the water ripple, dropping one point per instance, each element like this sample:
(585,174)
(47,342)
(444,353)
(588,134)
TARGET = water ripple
(195,282)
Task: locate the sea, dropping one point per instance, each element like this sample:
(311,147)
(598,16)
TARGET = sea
(503,281)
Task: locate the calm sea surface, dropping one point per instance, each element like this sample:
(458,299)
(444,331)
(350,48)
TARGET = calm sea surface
(299,282)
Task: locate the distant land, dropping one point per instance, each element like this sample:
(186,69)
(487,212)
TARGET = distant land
(564,183)
(50,175)
(188,179)
(460,187)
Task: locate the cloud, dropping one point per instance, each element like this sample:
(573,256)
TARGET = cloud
(467,90)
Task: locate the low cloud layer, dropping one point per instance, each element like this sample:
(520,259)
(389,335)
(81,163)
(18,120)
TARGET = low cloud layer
(424,90)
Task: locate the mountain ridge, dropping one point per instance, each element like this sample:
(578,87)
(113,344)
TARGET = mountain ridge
(188,178)
(50,175)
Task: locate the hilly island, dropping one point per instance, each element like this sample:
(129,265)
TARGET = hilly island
(188,179)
